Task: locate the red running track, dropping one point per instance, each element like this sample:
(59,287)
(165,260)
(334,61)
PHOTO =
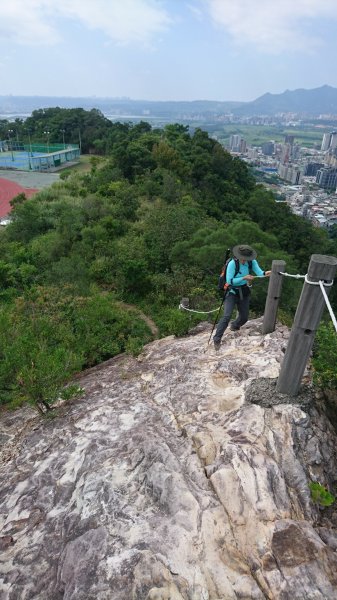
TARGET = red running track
(8,190)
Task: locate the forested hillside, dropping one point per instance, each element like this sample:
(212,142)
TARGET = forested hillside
(148,225)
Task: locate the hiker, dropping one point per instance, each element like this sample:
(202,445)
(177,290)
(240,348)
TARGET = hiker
(238,291)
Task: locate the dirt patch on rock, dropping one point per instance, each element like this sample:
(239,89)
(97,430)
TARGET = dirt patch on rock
(263,392)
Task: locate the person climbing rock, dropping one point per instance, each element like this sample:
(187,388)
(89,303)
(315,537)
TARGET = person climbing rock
(237,290)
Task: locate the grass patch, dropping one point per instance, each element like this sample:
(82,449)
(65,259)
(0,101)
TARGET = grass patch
(257,135)
(84,166)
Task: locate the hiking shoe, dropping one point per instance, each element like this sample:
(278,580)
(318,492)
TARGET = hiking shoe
(217,345)
(234,328)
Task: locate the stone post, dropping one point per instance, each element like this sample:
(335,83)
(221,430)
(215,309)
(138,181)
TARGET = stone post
(308,315)
(273,296)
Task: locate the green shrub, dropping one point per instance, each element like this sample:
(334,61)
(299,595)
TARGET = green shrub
(41,378)
(325,357)
(36,355)
(103,329)
(320,495)
(71,391)
(49,334)
(173,321)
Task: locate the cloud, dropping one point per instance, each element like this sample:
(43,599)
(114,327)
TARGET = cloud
(273,27)
(26,22)
(196,11)
(122,21)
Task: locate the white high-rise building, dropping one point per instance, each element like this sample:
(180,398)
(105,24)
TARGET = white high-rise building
(329,141)
(326,141)
(333,140)
(234,142)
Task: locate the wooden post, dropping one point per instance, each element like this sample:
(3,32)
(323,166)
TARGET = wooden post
(273,296)
(308,315)
(185,302)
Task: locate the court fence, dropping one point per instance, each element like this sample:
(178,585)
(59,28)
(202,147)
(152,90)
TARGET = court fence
(36,157)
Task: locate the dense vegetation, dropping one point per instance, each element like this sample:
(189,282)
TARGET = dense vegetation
(90,129)
(146,226)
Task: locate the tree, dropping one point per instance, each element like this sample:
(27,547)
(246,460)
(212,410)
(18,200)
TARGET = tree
(164,225)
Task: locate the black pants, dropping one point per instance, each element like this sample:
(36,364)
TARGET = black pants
(231,301)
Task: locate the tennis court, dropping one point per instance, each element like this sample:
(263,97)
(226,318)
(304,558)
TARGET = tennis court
(17,160)
(36,157)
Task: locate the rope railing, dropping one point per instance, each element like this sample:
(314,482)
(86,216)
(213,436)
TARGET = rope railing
(290,275)
(200,312)
(305,277)
(322,284)
(333,318)
(206,312)
(314,298)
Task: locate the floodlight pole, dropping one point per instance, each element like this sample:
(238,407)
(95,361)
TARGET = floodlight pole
(30,143)
(11,143)
(47,133)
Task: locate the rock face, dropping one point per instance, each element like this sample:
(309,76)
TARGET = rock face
(180,475)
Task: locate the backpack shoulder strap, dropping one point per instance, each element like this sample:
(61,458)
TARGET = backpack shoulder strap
(237,266)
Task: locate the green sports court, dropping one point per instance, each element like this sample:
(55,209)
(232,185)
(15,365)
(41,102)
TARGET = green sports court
(15,155)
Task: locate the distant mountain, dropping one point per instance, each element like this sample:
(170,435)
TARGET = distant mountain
(24,105)
(322,100)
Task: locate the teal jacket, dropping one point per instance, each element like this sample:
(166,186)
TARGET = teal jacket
(244,270)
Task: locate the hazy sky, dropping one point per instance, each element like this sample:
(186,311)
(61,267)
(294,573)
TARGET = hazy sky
(166,49)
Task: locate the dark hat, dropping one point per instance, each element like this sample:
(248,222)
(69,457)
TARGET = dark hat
(244,252)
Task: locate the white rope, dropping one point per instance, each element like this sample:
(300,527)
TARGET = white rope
(206,312)
(200,312)
(328,304)
(305,277)
(289,275)
(324,283)
(321,283)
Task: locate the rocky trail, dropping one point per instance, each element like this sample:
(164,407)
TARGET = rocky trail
(180,475)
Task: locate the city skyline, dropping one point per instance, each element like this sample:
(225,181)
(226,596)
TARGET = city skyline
(166,50)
